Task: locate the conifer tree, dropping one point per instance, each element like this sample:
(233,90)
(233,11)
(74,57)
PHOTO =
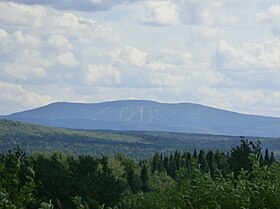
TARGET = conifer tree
(144,178)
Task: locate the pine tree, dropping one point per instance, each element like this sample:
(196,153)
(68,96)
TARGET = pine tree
(211,163)
(194,154)
(166,163)
(202,161)
(272,158)
(266,158)
(144,178)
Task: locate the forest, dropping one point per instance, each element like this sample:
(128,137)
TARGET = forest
(246,177)
(134,144)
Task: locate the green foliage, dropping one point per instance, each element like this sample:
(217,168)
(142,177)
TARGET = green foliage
(207,180)
(78,203)
(17,185)
(45,205)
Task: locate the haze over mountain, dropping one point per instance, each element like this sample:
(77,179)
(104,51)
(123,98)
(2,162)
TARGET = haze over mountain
(150,116)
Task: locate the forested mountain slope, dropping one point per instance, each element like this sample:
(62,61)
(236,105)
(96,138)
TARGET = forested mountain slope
(34,138)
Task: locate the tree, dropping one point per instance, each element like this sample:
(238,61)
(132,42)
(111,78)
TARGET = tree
(144,178)
(211,163)
(157,163)
(266,158)
(240,155)
(202,161)
(17,187)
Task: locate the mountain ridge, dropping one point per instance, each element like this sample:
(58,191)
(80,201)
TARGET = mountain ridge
(145,115)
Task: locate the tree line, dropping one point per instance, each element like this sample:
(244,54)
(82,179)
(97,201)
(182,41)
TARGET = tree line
(244,177)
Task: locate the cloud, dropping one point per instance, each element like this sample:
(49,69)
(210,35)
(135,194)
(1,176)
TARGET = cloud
(271,14)
(85,5)
(270,17)
(262,102)
(24,72)
(100,75)
(67,59)
(250,56)
(18,39)
(16,95)
(43,50)
(221,53)
(165,68)
(172,57)
(129,56)
(59,41)
(160,13)
(24,15)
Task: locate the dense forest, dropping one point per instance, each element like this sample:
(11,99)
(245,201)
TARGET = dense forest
(243,178)
(137,145)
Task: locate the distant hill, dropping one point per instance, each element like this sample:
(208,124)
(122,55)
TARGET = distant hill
(139,115)
(36,138)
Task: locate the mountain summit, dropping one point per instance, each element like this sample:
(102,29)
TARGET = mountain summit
(143,115)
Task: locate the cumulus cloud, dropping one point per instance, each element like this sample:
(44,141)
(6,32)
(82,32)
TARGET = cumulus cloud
(101,75)
(270,17)
(18,39)
(160,13)
(250,56)
(222,53)
(67,59)
(59,41)
(30,16)
(271,14)
(172,57)
(129,56)
(258,101)
(24,72)
(16,95)
(32,52)
(165,68)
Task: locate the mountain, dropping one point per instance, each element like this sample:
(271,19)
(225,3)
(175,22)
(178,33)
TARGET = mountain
(142,115)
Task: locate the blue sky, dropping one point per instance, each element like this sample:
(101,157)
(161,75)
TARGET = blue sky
(220,53)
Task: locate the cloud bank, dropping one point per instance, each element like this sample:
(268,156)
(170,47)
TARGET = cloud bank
(220,53)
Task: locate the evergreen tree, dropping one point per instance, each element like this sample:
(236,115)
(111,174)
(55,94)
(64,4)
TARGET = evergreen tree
(132,180)
(157,163)
(272,158)
(177,160)
(211,163)
(166,163)
(194,154)
(144,178)
(202,161)
(240,156)
(266,158)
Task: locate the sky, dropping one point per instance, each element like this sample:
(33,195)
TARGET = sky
(220,53)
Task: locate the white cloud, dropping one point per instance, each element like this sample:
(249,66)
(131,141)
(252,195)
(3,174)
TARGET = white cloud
(24,72)
(129,56)
(250,56)
(117,57)
(20,15)
(31,52)
(173,57)
(249,101)
(18,40)
(60,42)
(271,14)
(100,75)
(16,95)
(67,59)
(160,13)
